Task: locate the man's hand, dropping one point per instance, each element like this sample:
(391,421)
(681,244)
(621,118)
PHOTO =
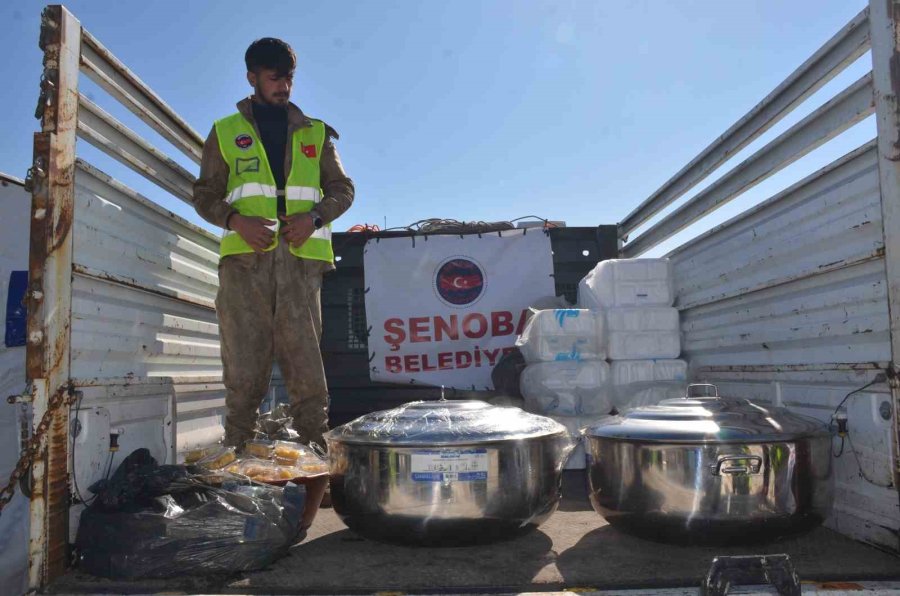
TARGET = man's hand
(253,230)
(297,228)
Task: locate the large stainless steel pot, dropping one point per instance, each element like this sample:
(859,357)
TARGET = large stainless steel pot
(710,469)
(446,472)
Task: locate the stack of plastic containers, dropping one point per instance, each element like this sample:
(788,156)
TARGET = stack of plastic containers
(567,376)
(646,382)
(625,314)
(643,330)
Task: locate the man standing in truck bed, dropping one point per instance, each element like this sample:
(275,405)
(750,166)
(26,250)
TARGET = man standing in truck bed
(271,177)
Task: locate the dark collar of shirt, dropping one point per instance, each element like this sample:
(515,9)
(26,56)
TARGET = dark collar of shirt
(272,123)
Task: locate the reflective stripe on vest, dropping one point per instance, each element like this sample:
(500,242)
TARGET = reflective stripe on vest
(323,233)
(251,188)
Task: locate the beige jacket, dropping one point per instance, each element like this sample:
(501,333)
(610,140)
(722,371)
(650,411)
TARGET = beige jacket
(210,187)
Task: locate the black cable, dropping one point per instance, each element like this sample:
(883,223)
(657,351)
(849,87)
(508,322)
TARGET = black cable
(841,452)
(842,429)
(112,456)
(437,225)
(877,379)
(880,378)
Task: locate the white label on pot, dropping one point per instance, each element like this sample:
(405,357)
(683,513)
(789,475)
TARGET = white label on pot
(462,465)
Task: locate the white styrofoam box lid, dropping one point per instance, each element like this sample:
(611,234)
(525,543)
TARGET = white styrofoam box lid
(644,345)
(634,269)
(625,372)
(642,318)
(628,282)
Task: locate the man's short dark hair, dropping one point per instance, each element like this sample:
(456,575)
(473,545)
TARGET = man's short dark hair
(271,53)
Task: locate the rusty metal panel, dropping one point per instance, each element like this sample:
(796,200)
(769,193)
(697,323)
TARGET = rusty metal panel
(49,295)
(121,291)
(834,56)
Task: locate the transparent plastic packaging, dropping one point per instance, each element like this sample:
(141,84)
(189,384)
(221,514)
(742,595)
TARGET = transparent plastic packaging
(218,459)
(643,333)
(288,453)
(627,282)
(647,382)
(443,422)
(276,425)
(567,388)
(263,470)
(261,448)
(195,455)
(565,334)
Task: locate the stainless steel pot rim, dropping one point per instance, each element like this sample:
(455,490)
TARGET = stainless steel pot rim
(442,423)
(708,420)
(700,442)
(440,444)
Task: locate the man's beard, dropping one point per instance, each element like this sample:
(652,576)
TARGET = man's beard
(276,100)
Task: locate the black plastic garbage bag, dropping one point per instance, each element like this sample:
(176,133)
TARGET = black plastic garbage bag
(152,521)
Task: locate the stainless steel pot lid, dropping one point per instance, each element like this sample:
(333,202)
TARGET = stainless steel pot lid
(451,422)
(707,420)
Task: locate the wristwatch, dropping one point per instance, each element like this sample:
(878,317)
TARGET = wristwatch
(317,219)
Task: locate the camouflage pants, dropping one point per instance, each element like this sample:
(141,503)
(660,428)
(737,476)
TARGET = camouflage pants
(269,307)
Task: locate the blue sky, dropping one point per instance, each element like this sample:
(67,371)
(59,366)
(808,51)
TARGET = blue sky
(570,110)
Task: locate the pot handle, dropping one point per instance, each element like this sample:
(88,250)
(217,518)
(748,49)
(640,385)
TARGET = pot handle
(707,385)
(729,464)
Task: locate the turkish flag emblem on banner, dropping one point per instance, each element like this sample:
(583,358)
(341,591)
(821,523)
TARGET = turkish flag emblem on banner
(443,312)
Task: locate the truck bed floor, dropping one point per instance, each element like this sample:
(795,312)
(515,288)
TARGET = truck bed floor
(575,548)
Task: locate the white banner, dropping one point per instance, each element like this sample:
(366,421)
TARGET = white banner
(444,310)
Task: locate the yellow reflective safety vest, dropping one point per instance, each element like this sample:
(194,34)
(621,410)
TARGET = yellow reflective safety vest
(251,186)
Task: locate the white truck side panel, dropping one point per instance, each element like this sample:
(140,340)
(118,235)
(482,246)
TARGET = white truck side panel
(144,344)
(787,304)
(15,213)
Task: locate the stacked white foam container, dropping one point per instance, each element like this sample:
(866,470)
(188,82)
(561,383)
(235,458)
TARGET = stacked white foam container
(567,377)
(643,330)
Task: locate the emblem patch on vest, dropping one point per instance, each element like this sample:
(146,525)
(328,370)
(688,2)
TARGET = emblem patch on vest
(246,164)
(243,141)
(308,150)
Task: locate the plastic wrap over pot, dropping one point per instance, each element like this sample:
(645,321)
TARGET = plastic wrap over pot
(444,423)
(447,472)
